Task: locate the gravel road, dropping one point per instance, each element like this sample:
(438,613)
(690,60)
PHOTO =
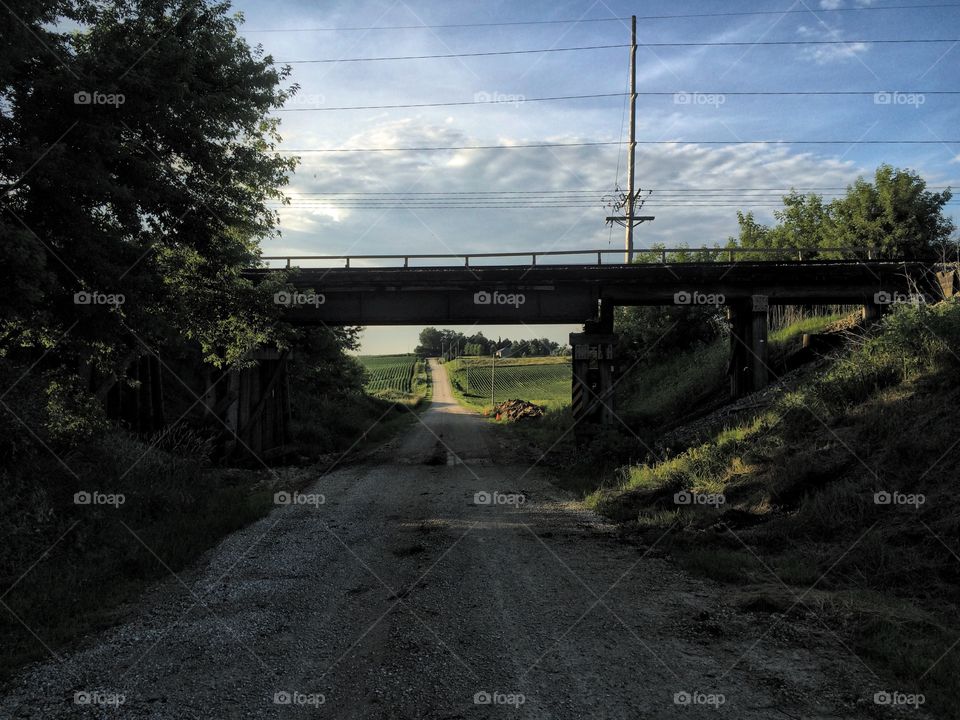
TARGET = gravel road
(422,587)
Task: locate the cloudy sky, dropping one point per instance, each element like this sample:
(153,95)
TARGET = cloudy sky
(691,102)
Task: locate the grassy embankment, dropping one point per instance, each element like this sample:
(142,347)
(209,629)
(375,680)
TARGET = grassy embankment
(839,498)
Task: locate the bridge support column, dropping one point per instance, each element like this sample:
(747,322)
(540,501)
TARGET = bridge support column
(749,357)
(872,312)
(594,375)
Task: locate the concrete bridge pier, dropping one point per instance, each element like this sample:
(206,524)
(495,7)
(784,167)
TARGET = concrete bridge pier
(749,356)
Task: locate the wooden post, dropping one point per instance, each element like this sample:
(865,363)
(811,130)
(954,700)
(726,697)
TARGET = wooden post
(628,256)
(759,356)
(741,330)
(872,311)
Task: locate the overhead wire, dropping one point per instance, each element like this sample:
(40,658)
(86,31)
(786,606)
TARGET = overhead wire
(726,43)
(579,21)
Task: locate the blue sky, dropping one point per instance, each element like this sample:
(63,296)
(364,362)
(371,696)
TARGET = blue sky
(310,227)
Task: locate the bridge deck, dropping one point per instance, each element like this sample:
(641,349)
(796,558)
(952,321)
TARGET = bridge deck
(507,294)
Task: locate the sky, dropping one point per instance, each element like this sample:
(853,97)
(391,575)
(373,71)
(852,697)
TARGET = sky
(696,104)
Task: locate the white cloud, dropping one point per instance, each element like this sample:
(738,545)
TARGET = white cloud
(321,229)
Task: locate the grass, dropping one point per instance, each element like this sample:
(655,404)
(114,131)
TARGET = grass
(542,380)
(173,511)
(799,479)
(664,392)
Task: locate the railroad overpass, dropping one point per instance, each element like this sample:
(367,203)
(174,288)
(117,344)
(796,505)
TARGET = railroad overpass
(538,293)
(583,287)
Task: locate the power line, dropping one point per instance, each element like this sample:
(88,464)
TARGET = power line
(454,147)
(906,41)
(451,55)
(520,100)
(579,21)
(532,206)
(522,146)
(577,190)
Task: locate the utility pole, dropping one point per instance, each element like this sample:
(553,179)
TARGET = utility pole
(633,139)
(629,203)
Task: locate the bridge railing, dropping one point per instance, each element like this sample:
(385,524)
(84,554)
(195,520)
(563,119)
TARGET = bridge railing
(660,255)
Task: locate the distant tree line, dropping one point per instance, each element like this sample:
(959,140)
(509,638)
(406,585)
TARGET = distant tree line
(434,343)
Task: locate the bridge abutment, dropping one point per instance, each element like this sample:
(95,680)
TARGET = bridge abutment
(593,378)
(253,403)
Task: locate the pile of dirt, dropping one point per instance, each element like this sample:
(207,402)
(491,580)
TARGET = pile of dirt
(518,410)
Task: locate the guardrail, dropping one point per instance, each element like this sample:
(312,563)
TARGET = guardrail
(660,254)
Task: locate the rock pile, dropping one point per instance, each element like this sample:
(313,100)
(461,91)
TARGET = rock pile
(517,410)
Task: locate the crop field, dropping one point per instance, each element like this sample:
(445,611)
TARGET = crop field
(543,380)
(395,376)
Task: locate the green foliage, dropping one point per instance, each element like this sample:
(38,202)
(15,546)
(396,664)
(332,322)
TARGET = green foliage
(163,208)
(545,381)
(895,213)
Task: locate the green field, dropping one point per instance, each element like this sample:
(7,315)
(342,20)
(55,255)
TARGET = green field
(542,380)
(396,377)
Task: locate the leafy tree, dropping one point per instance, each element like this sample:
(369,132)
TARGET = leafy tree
(895,213)
(803,223)
(138,161)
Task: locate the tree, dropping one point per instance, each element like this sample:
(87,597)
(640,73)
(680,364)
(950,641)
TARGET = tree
(895,213)
(430,339)
(803,223)
(138,161)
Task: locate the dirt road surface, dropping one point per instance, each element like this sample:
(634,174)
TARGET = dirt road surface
(422,587)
